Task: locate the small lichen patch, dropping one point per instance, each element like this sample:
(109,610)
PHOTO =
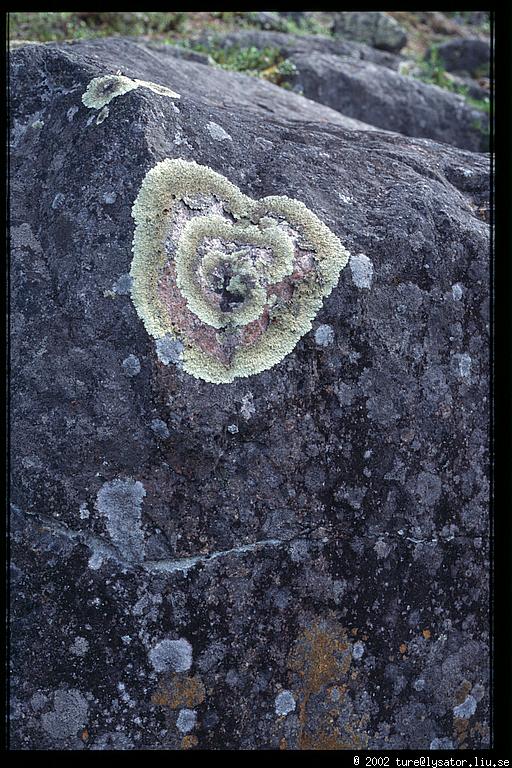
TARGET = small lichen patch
(466,709)
(362,270)
(217,132)
(186,720)
(171,655)
(131,365)
(102,115)
(324,336)
(235,282)
(120,501)
(101,90)
(284,703)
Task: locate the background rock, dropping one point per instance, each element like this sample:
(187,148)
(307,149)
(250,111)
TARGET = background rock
(388,100)
(333,548)
(375,28)
(468,56)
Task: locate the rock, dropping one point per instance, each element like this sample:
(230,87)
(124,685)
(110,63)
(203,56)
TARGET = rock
(245,556)
(288,44)
(388,100)
(268,20)
(375,28)
(469,56)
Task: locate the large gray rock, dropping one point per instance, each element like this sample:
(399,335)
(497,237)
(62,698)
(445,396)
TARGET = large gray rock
(388,100)
(375,28)
(470,56)
(298,559)
(288,44)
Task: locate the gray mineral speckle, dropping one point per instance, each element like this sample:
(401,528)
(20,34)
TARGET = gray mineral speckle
(171,655)
(69,714)
(120,501)
(466,709)
(186,720)
(284,703)
(362,270)
(131,365)
(324,335)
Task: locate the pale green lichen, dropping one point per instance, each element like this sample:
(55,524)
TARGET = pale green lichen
(254,252)
(101,90)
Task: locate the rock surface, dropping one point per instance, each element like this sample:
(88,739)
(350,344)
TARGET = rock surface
(300,560)
(386,99)
(375,28)
(362,83)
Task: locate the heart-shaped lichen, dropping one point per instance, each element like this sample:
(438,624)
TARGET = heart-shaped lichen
(236,281)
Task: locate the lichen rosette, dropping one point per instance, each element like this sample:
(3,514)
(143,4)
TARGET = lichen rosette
(237,281)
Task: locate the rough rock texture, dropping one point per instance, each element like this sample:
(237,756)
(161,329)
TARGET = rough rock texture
(470,56)
(288,44)
(300,559)
(375,28)
(388,100)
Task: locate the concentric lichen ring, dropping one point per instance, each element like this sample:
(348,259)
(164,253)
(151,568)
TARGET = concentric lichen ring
(236,281)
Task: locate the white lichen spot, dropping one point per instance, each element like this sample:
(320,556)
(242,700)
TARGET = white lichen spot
(443,743)
(38,124)
(232,429)
(217,132)
(120,502)
(284,703)
(358,650)
(247,408)
(131,365)
(324,336)
(169,350)
(101,90)
(83,511)
(171,655)
(457,291)
(382,548)
(362,270)
(102,115)
(186,720)
(466,709)
(464,365)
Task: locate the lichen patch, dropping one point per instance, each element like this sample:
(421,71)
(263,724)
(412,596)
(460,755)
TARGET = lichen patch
(101,90)
(235,281)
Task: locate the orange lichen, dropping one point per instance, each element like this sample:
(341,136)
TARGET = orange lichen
(322,658)
(179,691)
(189,741)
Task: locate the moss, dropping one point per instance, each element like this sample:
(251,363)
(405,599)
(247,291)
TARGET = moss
(266,268)
(101,90)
